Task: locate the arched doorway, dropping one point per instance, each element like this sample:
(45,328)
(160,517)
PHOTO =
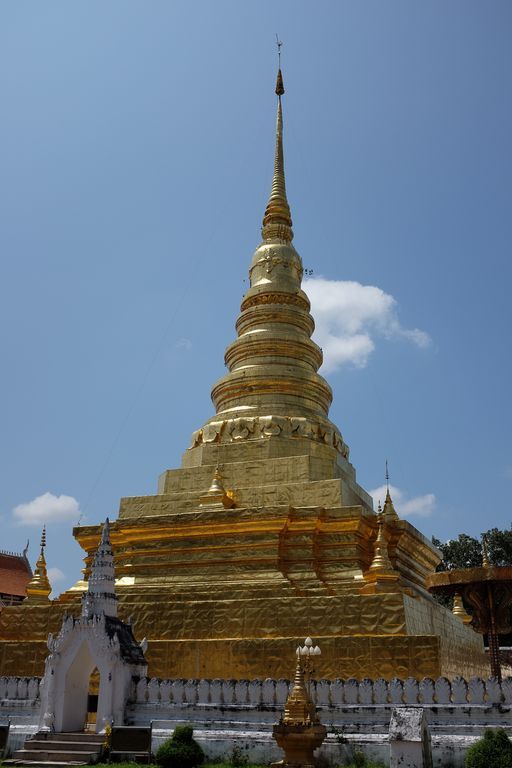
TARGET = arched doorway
(76,690)
(92,700)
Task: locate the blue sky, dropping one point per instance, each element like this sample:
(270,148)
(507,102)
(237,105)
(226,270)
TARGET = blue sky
(136,148)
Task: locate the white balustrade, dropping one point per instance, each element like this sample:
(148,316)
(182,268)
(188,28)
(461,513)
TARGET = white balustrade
(216,692)
(337,692)
(443,691)
(141,690)
(154,691)
(242,692)
(396,692)
(351,690)
(166,692)
(19,688)
(269,692)
(255,691)
(323,693)
(366,692)
(203,692)
(282,691)
(177,688)
(411,691)
(493,690)
(427,691)
(476,691)
(459,690)
(228,692)
(273,693)
(190,691)
(380,691)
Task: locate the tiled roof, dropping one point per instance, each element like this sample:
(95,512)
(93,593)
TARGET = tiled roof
(130,649)
(15,573)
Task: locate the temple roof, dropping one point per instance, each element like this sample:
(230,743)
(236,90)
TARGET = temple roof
(15,574)
(130,649)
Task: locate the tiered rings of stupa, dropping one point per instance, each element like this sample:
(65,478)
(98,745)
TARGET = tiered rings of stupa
(273,387)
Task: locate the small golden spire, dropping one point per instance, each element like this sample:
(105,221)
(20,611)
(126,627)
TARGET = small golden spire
(459,610)
(380,576)
(39,587)
(277,221)
(485,554)
(381,561)
(216,495)
(216,485)
(389,511)
(299,709)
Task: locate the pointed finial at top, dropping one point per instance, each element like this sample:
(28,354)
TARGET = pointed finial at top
(389,511)
(43,538)
(105,533)
(277,221)
(279,82)
(279,44)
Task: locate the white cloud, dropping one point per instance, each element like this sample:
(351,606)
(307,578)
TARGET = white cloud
(55,575)
(349,317)
(47,509)
(183,343)
(422,506)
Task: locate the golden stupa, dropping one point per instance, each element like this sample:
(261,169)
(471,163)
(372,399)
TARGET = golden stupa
(263,535)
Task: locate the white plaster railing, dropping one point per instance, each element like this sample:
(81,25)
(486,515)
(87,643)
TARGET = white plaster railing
(19,688)
(326,693)
(273,693)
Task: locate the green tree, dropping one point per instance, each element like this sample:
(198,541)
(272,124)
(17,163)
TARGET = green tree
(499,546)
(466,551)
(462,552)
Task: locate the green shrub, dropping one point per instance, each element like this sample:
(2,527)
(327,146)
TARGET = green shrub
(181,750)
(238,758)
(359,761)
(183,733)
(493,751)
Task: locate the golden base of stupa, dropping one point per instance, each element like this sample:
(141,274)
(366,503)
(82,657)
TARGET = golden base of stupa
(223,592)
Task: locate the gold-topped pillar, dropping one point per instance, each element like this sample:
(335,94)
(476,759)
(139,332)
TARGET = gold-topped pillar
(39,587)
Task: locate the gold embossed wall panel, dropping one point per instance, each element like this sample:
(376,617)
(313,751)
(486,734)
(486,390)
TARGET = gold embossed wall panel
(461,648)
(278,617)
(342,657)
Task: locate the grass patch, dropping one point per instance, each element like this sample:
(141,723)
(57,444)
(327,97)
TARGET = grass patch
(220,764)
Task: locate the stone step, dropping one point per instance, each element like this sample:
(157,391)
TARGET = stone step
(44,756)
(39,764)
(63,746)
(75,736)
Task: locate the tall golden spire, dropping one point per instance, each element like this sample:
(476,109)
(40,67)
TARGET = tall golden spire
(39,587)
(273,389)
(277,221)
